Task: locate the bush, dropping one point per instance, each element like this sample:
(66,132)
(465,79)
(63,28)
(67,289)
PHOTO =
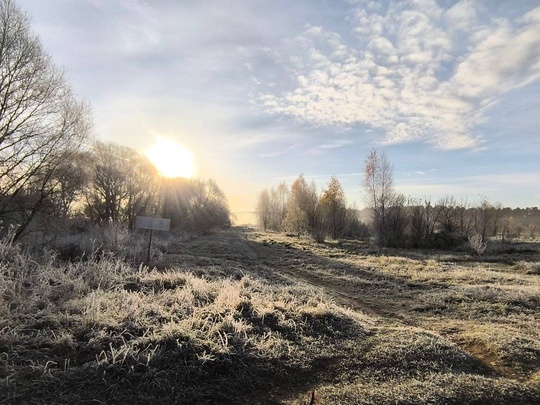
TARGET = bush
(477,244)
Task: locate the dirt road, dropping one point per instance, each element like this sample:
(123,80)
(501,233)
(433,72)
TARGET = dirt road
(396,292)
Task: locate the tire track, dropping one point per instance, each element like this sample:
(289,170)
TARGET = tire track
(344,295)
(347,296)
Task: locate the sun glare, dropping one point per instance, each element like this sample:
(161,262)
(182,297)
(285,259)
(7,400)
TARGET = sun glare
(171,158)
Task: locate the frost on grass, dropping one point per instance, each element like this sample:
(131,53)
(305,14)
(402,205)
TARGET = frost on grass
(223,321)
(93,329)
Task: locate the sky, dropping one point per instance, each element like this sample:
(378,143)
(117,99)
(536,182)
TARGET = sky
(262,91)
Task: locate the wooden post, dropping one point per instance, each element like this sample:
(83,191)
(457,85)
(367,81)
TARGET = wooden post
(154,224)
(149,246)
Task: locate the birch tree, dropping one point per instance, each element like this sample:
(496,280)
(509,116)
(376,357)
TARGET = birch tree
(387,206)
(334,206)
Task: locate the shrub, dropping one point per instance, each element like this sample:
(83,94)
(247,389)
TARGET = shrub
(477,244)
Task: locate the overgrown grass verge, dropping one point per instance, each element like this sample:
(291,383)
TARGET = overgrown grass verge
(488,311)
(223,320)
(412,366)
(102,331)
(434,388)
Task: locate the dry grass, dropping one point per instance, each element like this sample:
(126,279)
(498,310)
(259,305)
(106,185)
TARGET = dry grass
(246,317)
(91,331)
(488,310)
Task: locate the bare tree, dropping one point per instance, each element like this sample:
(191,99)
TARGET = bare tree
(417,223)
(483,219)
(41,123)
(124,185)
(208,206)
(465,220)
(142,188)
(271,208)
(107,191)
(396,221)
(264,209)
(71,179)
(423,220)
(279,198)
(334,206)
(379,189)
(455,220)
(305,198)
(448,215)
(194,205)
(45,203)
(354,227)
(304,203)
(387,206)
(497,219)
(296,220)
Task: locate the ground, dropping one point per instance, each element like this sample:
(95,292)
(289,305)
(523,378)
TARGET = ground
(489,311)
(243,316)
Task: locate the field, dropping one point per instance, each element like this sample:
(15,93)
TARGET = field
(242,316)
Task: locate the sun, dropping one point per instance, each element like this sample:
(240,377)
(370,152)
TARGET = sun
(171,158)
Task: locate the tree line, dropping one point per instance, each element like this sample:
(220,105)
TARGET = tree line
(54,175)
(398,221)
(301,210)
(123,184)
(394,220)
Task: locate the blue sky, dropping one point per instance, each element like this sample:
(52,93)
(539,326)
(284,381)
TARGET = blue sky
(262,91)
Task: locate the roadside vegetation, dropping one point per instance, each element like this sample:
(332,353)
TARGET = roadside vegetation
(58,184)
(102,330)
(242,316)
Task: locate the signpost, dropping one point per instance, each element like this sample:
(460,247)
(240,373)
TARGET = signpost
(154,224)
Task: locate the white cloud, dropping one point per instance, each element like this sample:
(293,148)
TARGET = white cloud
(409,73)
(382,45)
(338,143)
(461,16)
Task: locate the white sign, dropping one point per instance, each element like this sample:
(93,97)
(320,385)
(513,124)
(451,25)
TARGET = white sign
(155,224)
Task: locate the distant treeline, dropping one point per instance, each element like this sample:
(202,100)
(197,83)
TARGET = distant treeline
(54,178)
(391,219)
(111,184)
(301,210)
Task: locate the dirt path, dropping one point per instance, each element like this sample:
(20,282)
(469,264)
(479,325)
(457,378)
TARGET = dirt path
(345,274)
(346,294)
(389,301)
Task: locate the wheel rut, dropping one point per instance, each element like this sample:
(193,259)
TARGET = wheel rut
(345,295)
(375,304)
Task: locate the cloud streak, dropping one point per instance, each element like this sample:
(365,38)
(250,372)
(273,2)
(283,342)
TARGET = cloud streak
(412,70)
